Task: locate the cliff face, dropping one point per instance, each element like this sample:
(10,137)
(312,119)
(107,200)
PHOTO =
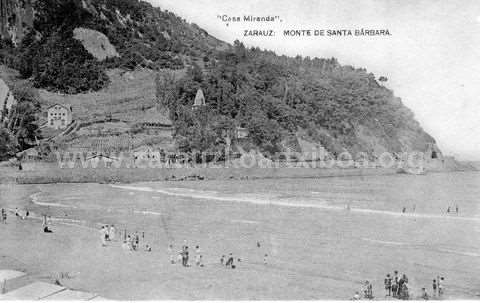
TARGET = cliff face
(16,17)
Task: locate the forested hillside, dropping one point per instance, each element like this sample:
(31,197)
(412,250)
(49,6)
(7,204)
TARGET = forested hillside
(274,97)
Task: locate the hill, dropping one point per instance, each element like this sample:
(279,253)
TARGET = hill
(78,52)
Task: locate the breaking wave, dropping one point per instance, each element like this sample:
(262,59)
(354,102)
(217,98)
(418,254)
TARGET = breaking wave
(37,200)
(318,204)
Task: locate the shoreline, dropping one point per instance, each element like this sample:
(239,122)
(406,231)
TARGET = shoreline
(48,173)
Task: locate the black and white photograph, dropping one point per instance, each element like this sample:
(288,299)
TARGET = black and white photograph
(267,150)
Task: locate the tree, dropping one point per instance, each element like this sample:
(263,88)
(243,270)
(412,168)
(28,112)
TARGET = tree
(8,145)
(22,124)
(166,89)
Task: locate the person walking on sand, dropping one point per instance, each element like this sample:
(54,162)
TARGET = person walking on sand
(424,295)
(388,285)
(367,291)
(440,286)
(136,240)
(170,253)
(4,216)
(395,284)
(197,255)
(111,233)
(434,287)
(103,236)
(107,233)
(230,261)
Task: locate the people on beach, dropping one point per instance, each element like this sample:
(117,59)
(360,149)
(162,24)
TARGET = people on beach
(135,240)
(265,256)
(45,224)
(197,255)
(402,292)
(404,209)
(185,256)
(111,233)
(125,245)
(229,262)
(395,284)
(180,257)
(130,242)
(434,287)
(4,216)
(222,260)
(170,253)
(368,290)
(388,285)
(448,210)
(440,286)
(456,209)
(356,296)
(103,235)
(107,233)
(424,295)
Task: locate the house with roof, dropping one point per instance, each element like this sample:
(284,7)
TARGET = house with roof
(59,116)
(155,122)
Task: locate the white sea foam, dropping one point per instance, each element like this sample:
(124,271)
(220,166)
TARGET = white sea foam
(245,221)
(147,212)
(36,199)
(384,242)
(462,253)
(233,198)
(318,204)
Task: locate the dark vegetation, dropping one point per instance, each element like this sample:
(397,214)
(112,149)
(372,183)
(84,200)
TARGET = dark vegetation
(20,131)
(275,96)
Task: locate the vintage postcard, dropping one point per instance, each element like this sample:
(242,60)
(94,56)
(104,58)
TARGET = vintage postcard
(239,150)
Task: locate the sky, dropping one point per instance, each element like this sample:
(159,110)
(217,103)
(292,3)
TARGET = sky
(431,58)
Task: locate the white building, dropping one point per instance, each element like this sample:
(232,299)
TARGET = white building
(59,116)
(199,99)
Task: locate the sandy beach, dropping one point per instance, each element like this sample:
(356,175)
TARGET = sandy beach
(316,249)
